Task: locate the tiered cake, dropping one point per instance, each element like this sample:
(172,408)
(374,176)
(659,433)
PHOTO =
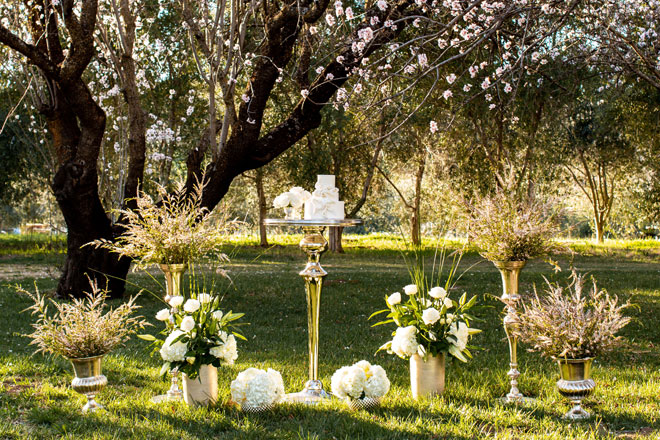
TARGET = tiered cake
(324,203)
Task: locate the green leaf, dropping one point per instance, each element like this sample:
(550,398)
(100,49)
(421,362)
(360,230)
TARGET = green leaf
(463,298)
(149,338)
(454,351)
(383,322)
(165,368)
(239,336)
(378,313)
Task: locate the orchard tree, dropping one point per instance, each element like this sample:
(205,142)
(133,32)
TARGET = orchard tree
(246,53)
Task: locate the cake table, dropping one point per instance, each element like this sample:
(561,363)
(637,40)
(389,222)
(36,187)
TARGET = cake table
(313,244)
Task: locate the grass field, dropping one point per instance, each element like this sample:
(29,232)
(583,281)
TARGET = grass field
(36,400)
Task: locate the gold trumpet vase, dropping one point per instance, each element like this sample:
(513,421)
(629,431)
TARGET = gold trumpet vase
(575,383)
(173,276)
(89,380)
(510,271)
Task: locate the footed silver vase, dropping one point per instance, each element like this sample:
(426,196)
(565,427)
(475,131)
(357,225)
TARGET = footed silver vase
(89,380)
(575,383)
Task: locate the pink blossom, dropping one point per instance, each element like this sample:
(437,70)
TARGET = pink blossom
(451,78)
(433,126)
(447,94)
(304,93)
(330,20)
(382,5)
(349,13)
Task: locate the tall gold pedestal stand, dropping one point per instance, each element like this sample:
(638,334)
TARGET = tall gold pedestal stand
(313,244)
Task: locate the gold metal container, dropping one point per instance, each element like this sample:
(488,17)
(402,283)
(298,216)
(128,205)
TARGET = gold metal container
(89,380)
(575,384)
(427,377)
(202,390)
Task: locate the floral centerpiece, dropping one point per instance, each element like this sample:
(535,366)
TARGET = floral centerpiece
(362,384)
(198,338)
(429,324)
(83,331)
(291,201)
(573,327)
(257,390)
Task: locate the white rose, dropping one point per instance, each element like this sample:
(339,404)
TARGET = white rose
(174,352)
(187,324)
(448,303)
(394,299)
(192,305)
(410,289)
(176,301)
(163,315)
(438,293)
(204,298)
(217,315)
(217,351)
(430,316)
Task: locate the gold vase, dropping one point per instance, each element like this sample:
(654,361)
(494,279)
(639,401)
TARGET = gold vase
(202,390)
(173,276)
(575,383)
(510,272)
(89,380)
(427,377)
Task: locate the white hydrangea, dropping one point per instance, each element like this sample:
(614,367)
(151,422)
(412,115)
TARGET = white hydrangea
(360,380)
(228,351)
(257,388)
(404,343)
(378,384)
(348,382)
(174,352)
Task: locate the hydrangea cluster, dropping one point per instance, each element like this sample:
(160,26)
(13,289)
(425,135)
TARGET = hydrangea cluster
(360,380)
(257,388)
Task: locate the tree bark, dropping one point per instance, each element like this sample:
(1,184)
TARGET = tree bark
(600,229)
(334,239)
(415,218)
(263,207)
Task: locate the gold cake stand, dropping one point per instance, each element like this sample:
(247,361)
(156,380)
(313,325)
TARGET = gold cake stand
(313,244)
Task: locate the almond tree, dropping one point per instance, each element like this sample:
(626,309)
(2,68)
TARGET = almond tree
(247,53)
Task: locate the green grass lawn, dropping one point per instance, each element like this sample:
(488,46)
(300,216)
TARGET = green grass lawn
(36,400)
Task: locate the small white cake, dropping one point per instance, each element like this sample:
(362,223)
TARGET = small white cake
(324,203)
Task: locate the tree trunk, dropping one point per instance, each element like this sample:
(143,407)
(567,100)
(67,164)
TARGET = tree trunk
(415,222)
(76,193)
(334,239)
(600,229)
(263,207)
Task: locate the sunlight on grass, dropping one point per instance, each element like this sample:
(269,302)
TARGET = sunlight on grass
(37,401)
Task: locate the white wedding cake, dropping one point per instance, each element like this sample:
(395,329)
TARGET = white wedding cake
(324,203)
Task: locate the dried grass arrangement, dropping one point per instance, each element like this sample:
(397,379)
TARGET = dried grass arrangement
(84,327)
(506,227)
(572,323)
(174,230)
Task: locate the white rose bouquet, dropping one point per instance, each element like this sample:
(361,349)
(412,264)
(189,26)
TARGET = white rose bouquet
(197,333)
(255,388)
(428,320)
(359,381)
